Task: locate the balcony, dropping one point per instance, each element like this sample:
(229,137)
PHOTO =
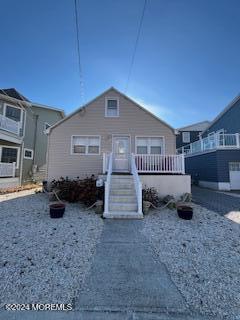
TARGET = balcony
(9,125)
(212,142)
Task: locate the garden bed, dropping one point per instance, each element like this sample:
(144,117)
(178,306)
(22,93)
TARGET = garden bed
(202,256)
(44,260)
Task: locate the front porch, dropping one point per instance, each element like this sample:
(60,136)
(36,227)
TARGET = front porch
(123,193)
(147,163)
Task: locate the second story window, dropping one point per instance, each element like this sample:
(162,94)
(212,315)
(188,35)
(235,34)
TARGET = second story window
(13,113)
(186,137)
(112,107)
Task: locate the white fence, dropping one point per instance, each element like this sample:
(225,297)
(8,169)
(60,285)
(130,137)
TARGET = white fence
(7,169)
(213,141)
(9,125)
(155,163)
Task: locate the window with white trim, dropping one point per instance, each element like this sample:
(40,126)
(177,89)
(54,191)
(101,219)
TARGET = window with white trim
(111,107)
(28,154)
(86,145)
(13,113)
(149,145)
(186,137)
(9,155)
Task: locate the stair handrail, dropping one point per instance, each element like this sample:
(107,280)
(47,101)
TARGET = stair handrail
(107,184)
(137,183)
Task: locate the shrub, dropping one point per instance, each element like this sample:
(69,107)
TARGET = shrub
(151,195)
(74,190)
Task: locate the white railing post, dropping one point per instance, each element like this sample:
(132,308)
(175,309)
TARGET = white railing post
(237,140)
(183,165)
(107,185)
(104,162)
(137,183)
(14,169)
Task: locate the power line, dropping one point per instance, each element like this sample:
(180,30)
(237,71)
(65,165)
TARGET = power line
(78,53)
(136,44)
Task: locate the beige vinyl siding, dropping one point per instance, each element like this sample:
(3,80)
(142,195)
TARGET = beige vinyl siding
(132,121)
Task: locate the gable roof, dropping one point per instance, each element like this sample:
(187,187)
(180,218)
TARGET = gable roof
(102,94)
(228,107)
(14,94)
(199,126)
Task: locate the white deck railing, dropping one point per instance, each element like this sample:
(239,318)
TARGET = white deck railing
(107,184)
(9,125)
(137,183)
(7,169)
(156,163)
(214,141)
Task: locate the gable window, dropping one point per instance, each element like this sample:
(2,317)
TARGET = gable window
(186,137)
(86,145)
(9,155)
(111,107)
(28,154)
(149,145)
(13,112)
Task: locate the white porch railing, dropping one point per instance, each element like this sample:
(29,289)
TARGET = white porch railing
(107,184)
(7,169)
(156,163)
(9,125)
(213,141)
(137,183)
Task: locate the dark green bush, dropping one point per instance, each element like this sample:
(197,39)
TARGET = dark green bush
(73,190)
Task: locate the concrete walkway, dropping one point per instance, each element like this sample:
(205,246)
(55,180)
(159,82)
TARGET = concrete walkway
(126,282)
(219,202)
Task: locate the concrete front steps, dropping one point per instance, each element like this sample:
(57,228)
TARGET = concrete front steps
(122,199)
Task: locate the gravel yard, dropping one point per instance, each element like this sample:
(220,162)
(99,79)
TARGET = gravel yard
(43,260)
(202,256)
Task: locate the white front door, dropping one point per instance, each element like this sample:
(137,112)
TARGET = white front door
(121,153)
(234,175)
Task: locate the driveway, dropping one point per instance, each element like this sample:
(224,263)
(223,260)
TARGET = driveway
(219,202)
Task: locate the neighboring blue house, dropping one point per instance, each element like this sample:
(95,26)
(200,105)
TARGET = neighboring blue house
(214,160)
(189,134)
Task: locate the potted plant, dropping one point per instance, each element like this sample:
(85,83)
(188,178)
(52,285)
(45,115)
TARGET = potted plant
(57,210)
(185,212)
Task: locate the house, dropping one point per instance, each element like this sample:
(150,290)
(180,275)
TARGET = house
(23,138)
(214,160)
(189,134)
(115,138)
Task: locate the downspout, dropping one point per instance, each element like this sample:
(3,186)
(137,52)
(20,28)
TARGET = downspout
(21,163)
(35,138)
(22,149)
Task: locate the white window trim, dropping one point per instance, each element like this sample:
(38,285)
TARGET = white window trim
(13,106)
(18,153)
(26,149)
(106,105)
(144,136)
(189,135)
(85,136)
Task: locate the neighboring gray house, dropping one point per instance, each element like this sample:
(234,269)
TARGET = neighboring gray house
(23,138)
(189,134)
(111,137)
(214,160)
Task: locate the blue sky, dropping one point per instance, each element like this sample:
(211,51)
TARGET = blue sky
(187,62)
